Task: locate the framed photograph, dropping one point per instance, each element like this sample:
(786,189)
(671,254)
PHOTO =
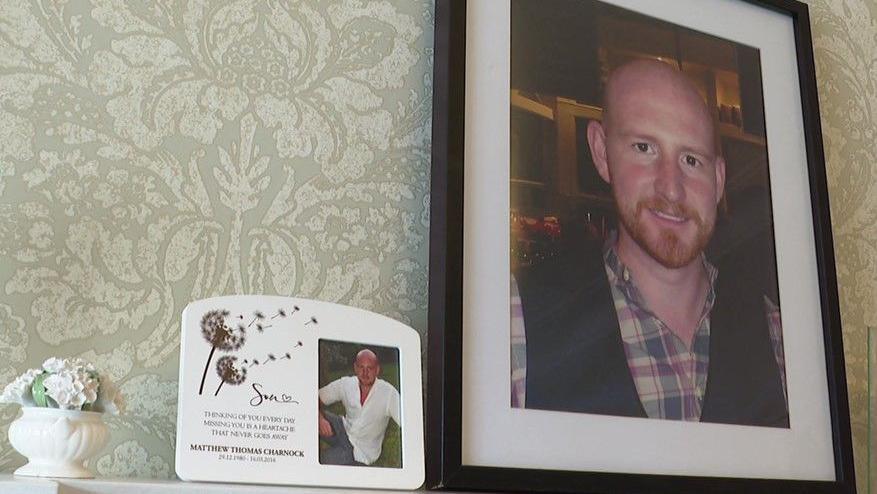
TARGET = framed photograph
(344,368)
(632,281)
(280,390)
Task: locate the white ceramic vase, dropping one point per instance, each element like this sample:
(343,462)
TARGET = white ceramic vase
(57,442)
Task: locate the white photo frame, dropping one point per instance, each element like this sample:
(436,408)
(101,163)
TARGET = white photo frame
(258,423)
(745,451)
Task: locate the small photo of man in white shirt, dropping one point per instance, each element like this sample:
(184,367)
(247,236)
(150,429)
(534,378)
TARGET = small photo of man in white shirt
(369,402)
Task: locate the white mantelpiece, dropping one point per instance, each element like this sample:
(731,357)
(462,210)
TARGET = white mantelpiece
(24,485)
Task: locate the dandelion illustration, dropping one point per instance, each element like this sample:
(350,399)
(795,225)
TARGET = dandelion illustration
(283,313)
(312,321)
(257,316)
(229,373)
(218,335)
(270,358)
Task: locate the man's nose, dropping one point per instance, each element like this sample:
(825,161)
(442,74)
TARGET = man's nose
(669,179)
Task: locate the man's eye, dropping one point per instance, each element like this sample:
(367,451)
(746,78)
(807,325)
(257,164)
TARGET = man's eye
(691,160)
(642,147)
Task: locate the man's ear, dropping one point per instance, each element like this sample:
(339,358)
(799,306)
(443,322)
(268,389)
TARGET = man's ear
(720,178)
(597,143)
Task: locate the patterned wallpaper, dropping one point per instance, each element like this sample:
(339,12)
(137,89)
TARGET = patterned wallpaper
(152,153)
(157,152)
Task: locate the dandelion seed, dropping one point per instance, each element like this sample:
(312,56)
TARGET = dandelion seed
(280,313)
(288,356)
(313,320)
(271,356)
(257,316)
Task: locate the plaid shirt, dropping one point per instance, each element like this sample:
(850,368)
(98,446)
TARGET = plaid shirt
(670,378)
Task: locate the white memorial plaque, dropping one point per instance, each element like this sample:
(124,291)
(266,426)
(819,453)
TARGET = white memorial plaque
(280,390)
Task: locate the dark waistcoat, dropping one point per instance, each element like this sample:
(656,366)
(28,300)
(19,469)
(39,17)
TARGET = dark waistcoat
(576,360)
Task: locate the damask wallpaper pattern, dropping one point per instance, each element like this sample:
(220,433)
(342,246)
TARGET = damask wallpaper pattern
(157,152)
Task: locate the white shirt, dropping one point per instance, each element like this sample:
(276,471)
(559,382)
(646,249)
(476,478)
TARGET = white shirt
(365,424)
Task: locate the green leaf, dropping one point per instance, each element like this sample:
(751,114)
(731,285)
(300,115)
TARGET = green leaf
(39,390)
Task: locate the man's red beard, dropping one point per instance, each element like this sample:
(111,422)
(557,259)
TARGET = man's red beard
(668,249)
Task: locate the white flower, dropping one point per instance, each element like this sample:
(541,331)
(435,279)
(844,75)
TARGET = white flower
(71,389)
(56,365)
(18,391)
(70,383)
(82,366)
(109,398)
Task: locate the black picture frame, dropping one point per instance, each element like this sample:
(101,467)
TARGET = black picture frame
(445,469)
